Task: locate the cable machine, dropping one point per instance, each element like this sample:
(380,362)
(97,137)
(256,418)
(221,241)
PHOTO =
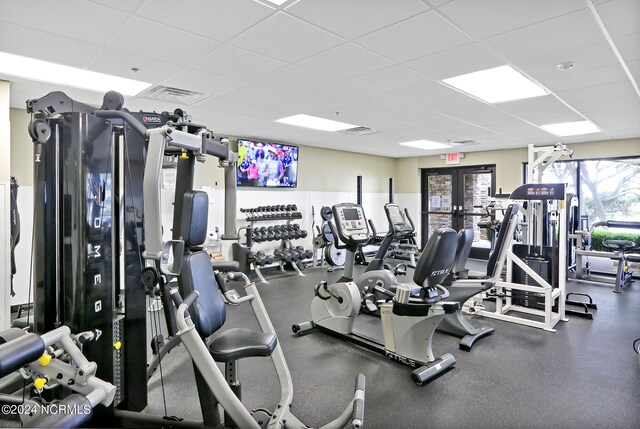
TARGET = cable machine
(90,247)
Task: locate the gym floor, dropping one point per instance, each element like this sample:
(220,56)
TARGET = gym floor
(583,376)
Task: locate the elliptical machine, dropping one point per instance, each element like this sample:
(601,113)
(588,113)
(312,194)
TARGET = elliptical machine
(408,320)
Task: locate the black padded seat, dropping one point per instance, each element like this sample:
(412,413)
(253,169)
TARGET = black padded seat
(239,343)
(225,266)
(618,244)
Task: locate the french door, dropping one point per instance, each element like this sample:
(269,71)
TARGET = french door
(456,198)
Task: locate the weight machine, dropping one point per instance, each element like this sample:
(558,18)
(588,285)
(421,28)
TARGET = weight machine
(91,228)
(535,282)
(619,253)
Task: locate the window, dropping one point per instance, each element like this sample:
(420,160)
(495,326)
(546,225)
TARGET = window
(610,189)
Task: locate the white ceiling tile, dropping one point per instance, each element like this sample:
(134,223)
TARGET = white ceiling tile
(629,46)
(353,97)
(619,116)
(558,34)
(123,5)
(219,20)
(634,68)
(485,116)
(620,17)
(294,79)
(286,38)
(119,63)
(388,79)
(422,35)
(455,62)
(437,3)
(86,96)
(345,61)
(292,105)
(584,58)
(487,18)
(582,79)
(141,36)
(40,89)
(239,63)
(537,103)
(24,41)
(353,18)
(202,82)
(424,92)
(257,94)
(75,19)
(596,93)
(590,107)
(224,104)
(550,116)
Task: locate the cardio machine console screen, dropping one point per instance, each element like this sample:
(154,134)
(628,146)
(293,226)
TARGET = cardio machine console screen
(351,222)
(396,219)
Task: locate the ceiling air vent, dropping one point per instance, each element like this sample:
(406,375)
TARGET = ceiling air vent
(176,95)
(359,131)
(464,143)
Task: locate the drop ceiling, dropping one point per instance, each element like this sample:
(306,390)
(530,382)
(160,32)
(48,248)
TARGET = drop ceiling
(374,63)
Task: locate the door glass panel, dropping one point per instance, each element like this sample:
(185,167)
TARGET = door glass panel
(439,205)
(476,194)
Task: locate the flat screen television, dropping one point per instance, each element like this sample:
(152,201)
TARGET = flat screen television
(267,165)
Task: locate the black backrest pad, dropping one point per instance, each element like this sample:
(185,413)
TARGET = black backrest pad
(195,215)
(437,257)
(509,216)
(208,313)
(465,241)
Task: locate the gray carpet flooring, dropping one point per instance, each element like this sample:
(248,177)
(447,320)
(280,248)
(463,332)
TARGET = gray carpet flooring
(585,375)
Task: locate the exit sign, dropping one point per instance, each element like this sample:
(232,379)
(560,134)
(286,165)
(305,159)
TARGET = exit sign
(452,158)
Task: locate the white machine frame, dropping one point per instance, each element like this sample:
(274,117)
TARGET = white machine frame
(539,159)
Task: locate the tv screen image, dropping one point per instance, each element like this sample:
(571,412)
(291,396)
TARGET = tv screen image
(267,165)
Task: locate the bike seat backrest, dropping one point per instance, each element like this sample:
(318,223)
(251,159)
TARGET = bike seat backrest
(618,244)
(510,215)
(208,313)
(437,258)
(465,241)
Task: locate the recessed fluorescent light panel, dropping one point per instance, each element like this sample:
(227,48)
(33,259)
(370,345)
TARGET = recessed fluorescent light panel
(44,71)
(496,85)
(315,123)
(425,144)
(577,128)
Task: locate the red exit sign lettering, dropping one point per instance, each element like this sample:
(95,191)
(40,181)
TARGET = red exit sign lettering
(453,158)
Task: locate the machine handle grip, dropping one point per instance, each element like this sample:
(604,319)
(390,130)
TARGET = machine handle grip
(191,298)
(221,282)
(373,228)
(336,240)
(406,213)
(357,415)
(623,224)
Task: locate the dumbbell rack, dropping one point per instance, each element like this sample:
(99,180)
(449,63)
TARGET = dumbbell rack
(282,255)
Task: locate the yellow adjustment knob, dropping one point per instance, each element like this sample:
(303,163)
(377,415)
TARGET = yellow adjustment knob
(39,383)
(184,155)
(44,359)
(117,345)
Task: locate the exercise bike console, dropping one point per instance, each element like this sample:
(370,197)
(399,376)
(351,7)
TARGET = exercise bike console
(397,221)
(351,224)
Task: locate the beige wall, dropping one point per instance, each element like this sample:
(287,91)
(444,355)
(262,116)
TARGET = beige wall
(508,162)
(21,148)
